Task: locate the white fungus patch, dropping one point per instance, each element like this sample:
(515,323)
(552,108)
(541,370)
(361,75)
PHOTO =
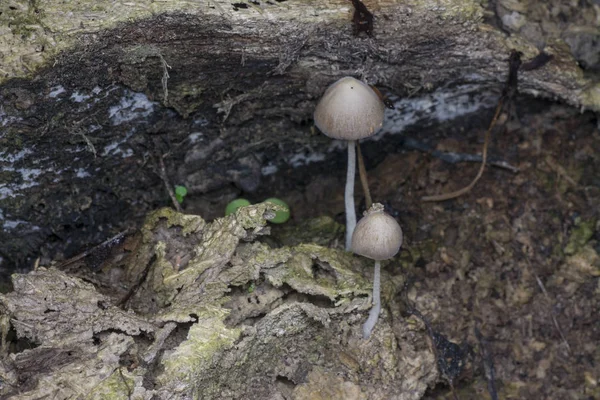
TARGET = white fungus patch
(28,179)
(11,158)
(82,173)
(29,174)
(131,106)
(6,119)
(9,224)
(201,122)
(439,106)
(56,91)
(195,137)
(12,224)
(301,159)
(269,169)
(79,97)
(113,148)
(75,149)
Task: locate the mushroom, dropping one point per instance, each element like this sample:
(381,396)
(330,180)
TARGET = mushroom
(377,236)
(349,110)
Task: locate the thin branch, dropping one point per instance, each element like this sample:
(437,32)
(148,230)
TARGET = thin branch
(488,364)
(165,78)
(165,179)
(508,94)
(108,242)
(454,158)
(547,296)
(452,195)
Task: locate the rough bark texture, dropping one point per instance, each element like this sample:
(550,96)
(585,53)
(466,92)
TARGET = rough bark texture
(215,316)
(94,93)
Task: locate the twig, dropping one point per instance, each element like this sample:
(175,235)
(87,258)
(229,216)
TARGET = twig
(108,242)
(454,158)
(165,78)
(452,195)
(488,364)
(88,142)
(508,93)
(560,170)
(547,296)
(136,285)
(165,179)
(364,180)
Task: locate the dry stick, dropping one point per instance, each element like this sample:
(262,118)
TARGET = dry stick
(488,364)
(165,178)
(115,239)
(364,181)
(452,195)
(554,320)
(453,158)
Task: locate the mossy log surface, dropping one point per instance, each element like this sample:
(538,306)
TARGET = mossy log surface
(198,310)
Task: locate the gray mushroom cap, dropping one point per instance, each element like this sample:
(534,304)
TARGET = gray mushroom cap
(349,110)
(377,235)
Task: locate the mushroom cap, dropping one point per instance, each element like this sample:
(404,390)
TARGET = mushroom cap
(349,110)
(377,235)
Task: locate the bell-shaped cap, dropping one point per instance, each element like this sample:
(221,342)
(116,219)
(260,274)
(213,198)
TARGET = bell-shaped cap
(349,110)
(377,235)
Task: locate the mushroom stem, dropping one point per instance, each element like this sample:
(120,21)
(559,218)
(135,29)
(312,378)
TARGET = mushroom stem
(374,313)
(349,194)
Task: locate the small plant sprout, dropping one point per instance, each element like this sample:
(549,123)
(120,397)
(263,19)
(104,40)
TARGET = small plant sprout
(234,205)
(349,110)
(280,216)
(377,236)
(180,193)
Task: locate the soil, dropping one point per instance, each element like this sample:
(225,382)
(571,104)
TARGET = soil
(516,258)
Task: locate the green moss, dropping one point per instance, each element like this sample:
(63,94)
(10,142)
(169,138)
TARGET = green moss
(590,97)
(117,386)
(580,235)
(332,278)
(188,223)
(320,230)
(205,339)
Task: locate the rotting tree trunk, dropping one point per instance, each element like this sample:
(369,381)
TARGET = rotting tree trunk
(93,94)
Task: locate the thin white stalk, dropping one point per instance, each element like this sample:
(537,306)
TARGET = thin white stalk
(349,194)
(374,312)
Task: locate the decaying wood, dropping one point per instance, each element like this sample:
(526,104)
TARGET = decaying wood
(234,322)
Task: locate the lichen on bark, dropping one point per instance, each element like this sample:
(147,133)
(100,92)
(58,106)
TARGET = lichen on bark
(214,314)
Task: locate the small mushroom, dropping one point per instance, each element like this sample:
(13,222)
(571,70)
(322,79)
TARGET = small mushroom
(377,236)
(349,110)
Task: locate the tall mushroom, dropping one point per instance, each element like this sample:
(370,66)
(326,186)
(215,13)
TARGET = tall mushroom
(349,110)
(377,236)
